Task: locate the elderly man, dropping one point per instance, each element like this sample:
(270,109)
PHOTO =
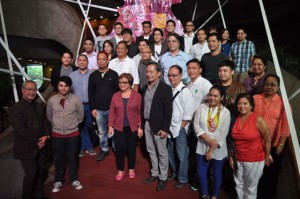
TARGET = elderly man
(157,114)
(27,119)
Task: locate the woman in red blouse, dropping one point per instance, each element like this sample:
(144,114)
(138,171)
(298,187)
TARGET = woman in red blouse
(269,105)
(252,144)
(124,123)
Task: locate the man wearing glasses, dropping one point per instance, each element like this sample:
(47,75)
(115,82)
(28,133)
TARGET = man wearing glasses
(188,39)
(147,33)
(30,137)
(175,57)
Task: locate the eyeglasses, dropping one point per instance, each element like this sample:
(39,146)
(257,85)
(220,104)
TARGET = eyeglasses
(172,41)
(146,26)
(30,89)
(270,84)
(172,75)
(189,25)
(123,82)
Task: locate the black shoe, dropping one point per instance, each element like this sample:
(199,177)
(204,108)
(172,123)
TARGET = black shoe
(150,179)
(102,155)
(161,185)
(179,184)
(171,177)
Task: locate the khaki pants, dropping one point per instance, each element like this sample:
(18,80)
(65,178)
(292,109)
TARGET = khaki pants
(240,77)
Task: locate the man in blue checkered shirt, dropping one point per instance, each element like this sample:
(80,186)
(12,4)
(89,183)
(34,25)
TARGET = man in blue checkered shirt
(241,53)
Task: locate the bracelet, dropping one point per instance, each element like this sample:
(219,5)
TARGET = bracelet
(281,145)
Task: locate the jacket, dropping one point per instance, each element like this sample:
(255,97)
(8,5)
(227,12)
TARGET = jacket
(65,120)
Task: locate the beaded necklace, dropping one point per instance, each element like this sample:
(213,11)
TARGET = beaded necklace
(213,123)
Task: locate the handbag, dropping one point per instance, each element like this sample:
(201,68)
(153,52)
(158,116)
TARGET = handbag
(94,134)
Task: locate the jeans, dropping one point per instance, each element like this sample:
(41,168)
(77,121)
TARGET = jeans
(102,120)
(178,152)
(202,169)
(86,143)
(126,142)
(63,147)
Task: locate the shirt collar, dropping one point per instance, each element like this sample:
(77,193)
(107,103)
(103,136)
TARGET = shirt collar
(192,35)
(179,87)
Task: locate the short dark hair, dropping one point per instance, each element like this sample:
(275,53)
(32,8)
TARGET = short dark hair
(89,39)
(68,52)
(274,76)
(243,29)
(219,88)
(122,42)
(159,30)
(228,63)
(102,25)
(144,40)
(82,55)
(214,35)
(190,21)
(103,52)
(109,42)
(157,66)
(194,61)
(248,96)
(176,67)
(178,38)
(126,30)
(171,21)
(147,22)
(128,76)
(67,80)
(200,30)
(118,23)
(256,56)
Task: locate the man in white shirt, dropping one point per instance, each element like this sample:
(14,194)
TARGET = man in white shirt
(90,53)
(159,47)
(124,64)
(142,44)
(188,39)
(200,48)
(198,85)
(118,27)
(183,110)
(102,30)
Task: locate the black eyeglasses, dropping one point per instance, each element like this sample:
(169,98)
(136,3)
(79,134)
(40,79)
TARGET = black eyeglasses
(270,84)
(123,82)
(172,75)
(30,89)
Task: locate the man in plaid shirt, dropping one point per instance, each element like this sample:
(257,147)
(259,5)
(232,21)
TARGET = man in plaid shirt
(241,53)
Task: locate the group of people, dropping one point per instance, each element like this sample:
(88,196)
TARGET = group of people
(188,96)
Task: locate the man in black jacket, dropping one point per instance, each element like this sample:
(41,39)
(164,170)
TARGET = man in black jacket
(157,115)
(27,119)
(62,70)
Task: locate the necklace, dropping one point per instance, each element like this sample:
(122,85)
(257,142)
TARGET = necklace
(213,123)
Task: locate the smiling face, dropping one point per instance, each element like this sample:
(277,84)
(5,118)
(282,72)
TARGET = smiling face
(63,88)
(244,107)
(225,35)
(271,87)
(213,43)
(102,61)
(157,36)
(152,74)
(225,74)
(142,45)
(127,38)
(173,44)
(146,53)
(121,50)
(258,66)
(108,48)
(66,59)
(82,62)
(174,77)
(193,70)
(170,27)
(29,91)
(124,84)
(146,29)
(241,35)
(214,97)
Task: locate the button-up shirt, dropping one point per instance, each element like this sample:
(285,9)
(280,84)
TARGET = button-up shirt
(198,50)
(80,84)
(183,108)
(240,53)
(148,98)
(126,65)
(167,60)
(92,61)
(188,42)
(199,88)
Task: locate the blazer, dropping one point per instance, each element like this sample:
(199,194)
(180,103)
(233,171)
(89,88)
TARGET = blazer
(161,108)
(55,75)
(138,39)
(26,132)
(133,110)
(164,49)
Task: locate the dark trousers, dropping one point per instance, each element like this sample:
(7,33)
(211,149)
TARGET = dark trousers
(33,185)
(66,148)
(267,185)
(125,143)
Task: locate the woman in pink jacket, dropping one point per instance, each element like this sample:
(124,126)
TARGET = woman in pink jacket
(124,123)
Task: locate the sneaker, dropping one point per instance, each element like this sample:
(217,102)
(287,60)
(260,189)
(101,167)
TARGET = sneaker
(76,184)
(80,154)
(91,151)
(102,155)
(56,187)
